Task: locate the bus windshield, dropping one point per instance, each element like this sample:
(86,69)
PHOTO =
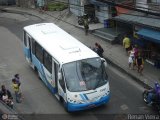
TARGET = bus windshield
(85,74)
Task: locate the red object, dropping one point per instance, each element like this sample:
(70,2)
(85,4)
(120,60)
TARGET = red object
(121,10)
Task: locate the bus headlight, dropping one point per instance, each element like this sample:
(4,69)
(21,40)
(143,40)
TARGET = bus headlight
(76,101)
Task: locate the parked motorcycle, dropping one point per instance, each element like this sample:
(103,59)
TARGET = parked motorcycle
(155,99)
(93,19)
(90,20)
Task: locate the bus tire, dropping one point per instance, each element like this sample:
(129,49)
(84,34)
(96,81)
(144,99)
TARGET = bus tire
(37,73)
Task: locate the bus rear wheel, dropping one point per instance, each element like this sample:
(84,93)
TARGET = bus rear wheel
(37,73)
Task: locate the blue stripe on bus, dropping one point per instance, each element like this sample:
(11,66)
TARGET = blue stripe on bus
(51,88)
(85,96)
(83,106)
(44,78)
(40,67)
(26,52)
(43,74)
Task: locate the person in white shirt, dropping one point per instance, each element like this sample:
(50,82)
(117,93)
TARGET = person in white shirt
(131,59)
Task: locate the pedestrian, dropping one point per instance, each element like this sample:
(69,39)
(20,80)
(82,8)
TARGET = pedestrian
(127,44)
(3,90)
(6,96)
(132,60)
(16,90)
(154,94)
(40,4)
(98,49)
(136,51)
(140,64)
(35,3)
(86,25)
(17,78)
(8,101)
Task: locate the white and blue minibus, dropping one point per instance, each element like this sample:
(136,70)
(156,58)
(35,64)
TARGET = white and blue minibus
(74,73)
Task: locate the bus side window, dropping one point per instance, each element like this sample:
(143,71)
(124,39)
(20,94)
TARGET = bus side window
(33,46)
(62,83)
(24,38)
(39,52)
(47,61)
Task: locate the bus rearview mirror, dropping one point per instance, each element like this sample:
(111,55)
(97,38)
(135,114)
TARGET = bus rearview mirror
(104,62)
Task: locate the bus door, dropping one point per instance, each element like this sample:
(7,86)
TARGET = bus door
(29,55)
(61,86)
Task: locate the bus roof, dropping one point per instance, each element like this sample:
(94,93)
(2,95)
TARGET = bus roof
(58,43)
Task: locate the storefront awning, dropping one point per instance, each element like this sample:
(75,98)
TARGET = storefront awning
(150,35)
(139,20)
(95,2)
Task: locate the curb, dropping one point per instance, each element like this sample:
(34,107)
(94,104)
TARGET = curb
(18,12)
(7,112)
(90,31)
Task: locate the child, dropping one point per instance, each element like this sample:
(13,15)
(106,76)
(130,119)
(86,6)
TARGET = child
(130,61)
(16,77)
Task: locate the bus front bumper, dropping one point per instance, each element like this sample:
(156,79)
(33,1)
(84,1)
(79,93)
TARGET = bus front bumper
(77,107)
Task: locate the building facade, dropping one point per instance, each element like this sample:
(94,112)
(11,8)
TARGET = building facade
(90,7)
(140,16)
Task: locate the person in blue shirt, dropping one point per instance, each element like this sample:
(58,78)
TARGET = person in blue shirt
(154,95)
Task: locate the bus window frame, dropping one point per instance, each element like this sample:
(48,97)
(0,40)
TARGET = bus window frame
(39,51)
(25,38)
(46,62)
(33,46)
(62,79)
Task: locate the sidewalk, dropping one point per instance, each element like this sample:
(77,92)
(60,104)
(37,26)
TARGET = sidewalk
(114,54)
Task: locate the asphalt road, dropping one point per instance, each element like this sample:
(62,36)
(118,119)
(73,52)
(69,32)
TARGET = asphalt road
(126,95)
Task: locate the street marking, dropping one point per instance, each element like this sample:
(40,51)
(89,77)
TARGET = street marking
(124,107)
(14,16)
(2,65)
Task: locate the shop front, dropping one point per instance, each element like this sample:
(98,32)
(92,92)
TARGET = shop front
(146,35)
(151,48)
